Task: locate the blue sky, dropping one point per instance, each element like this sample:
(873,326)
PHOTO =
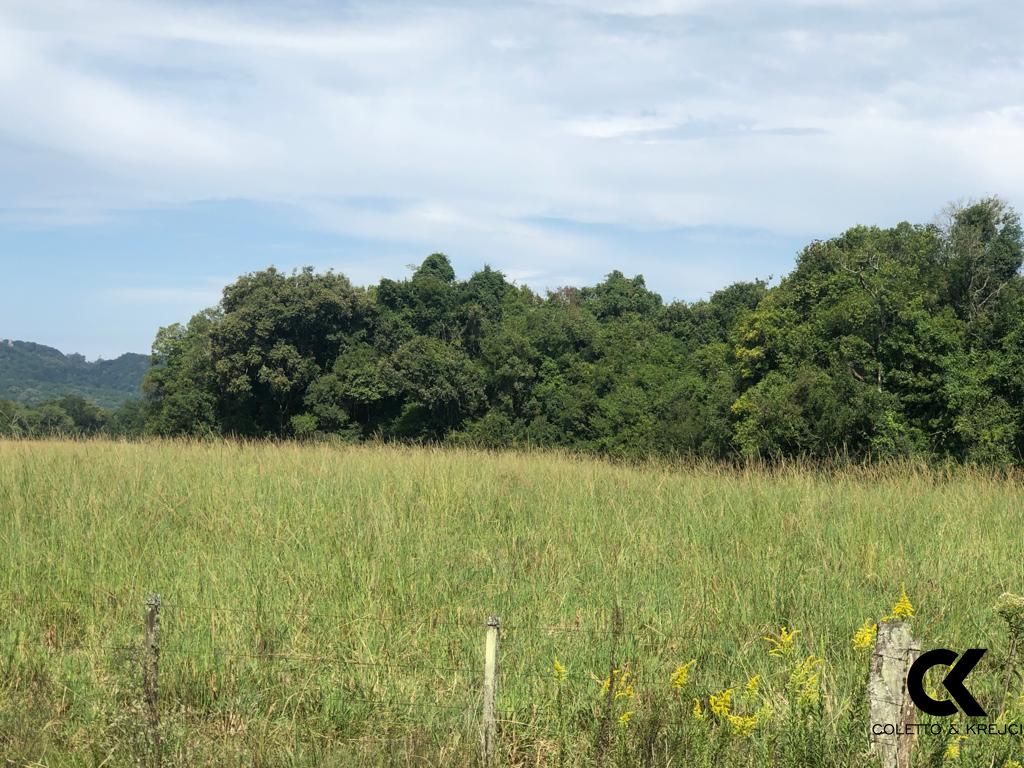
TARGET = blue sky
(150,152)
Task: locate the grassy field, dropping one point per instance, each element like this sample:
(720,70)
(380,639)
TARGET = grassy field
(325,605)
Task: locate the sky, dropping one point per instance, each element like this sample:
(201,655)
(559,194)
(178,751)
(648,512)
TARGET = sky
(151,152)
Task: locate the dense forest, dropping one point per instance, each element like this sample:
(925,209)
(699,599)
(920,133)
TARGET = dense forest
(906,341)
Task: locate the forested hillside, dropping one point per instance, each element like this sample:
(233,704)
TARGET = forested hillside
(32,373)
(906,341)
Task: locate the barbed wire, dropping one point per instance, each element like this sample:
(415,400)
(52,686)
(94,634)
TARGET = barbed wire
(323,611)
(268,656)
(383,703)
(313,611)
(597,674)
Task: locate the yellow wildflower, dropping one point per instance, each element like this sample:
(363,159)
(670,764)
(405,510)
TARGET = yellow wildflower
(721,703)
(783,644)
(559,670)
(804,681)
(682,674)
(864,638)
(1012,764)
(606,684)
(903,610)
(753,684)
(953,749)
(623,688)
(624,719)
(743,724)
(698,710)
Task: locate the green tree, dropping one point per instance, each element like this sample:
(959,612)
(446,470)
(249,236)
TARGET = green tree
(181,386)
(982,253)
(907,340)
(439,385)
(276,334)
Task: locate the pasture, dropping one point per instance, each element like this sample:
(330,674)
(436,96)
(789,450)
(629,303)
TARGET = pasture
(325,605)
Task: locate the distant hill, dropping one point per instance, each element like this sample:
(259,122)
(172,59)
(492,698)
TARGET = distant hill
(31,373)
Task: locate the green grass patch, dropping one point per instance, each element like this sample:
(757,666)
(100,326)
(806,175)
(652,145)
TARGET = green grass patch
(326,605)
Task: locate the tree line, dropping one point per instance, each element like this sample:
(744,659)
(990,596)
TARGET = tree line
(882,342)
(71,415)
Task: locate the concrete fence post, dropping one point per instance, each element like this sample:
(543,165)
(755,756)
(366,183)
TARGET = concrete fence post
(888,701)
(150,677)
(489,727)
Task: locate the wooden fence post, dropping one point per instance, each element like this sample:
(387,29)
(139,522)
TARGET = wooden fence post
(489,728)
(888,701)
(150,675)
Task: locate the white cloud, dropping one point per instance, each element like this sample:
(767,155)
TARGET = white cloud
(620,126)
(792,116)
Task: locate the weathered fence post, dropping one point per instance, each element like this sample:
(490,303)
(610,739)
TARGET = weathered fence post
(888,701)
(489,728)
(150,675)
